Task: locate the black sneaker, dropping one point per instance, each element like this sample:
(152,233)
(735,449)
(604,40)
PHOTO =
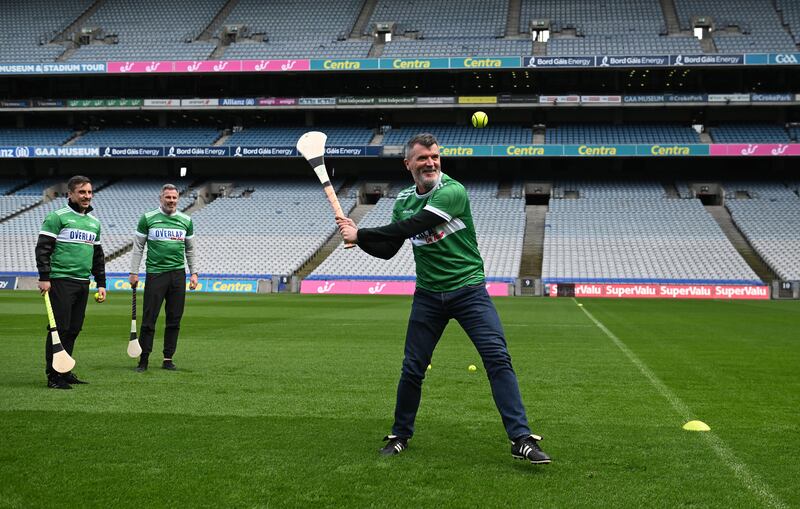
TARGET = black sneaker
(71,379)
(142,366)
(169,365)
(527,448)
(56,382)
(395,445)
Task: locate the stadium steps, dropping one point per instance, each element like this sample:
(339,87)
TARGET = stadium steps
(504,189)
(705,137)
(65,35)
(198,203)
(539,49)
(358,213)
(782,17)
(533,242)
(22,211)
(23,185)
(376,50)
(214,25)
(107,183)
(512,18)
(671,190)
(75,137)
(119,252)
(670,16)
(538,135)
(377,139)
(363,18)
(67,54)
(344,189)
(745,250)
(223,139)
(708,45)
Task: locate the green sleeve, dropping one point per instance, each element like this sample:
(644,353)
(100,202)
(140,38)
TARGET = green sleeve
(142,228)
(451,200)
(190,228)
(52,224)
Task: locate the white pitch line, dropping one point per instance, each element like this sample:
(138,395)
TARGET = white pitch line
(750,480)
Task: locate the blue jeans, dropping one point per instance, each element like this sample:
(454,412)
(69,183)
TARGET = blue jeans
(475,312)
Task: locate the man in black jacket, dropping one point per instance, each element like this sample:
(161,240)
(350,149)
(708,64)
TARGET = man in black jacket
(67,252)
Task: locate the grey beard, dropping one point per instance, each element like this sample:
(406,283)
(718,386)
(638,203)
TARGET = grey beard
(430,186)
(427,187)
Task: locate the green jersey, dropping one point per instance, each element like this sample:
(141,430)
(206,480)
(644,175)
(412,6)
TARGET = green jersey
(165,235)
(447,256)
(76,235)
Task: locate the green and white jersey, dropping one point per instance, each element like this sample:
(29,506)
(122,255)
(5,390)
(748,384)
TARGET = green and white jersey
(447,255)
(166,235)
(76,235)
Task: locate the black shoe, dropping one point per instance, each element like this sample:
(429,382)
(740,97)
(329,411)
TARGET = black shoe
(142,366)
(71,379)
(527,448)
(395,445)
(169,365)
(56,382)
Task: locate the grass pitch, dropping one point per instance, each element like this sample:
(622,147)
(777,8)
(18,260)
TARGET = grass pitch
(281,401)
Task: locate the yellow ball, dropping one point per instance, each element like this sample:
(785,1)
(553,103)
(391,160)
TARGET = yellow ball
(480,120)
(97,296)
(472,368)
(429,366)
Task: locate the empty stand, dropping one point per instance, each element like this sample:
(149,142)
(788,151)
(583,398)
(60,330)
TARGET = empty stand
(749,133)
(151,30)
(635,234)
(622,134)
(614,27)
(789,10)
(623,44)
(768,215)
(10,205)
(39,187)
(460,46)
(298,49)
(149,136)
(34,136)
(462,135)
(297,20)
(288,135)
(293,29)
(758,23)
(27,26)
(437,19)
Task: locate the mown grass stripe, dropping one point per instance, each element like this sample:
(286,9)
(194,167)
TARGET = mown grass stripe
(749,479)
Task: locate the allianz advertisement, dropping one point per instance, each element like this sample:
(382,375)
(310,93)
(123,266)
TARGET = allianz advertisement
(203,285)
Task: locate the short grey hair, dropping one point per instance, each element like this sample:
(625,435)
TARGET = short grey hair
(168,187)
(427,140)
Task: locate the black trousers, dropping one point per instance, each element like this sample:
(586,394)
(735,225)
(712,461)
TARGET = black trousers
(68,299)
(165,286)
